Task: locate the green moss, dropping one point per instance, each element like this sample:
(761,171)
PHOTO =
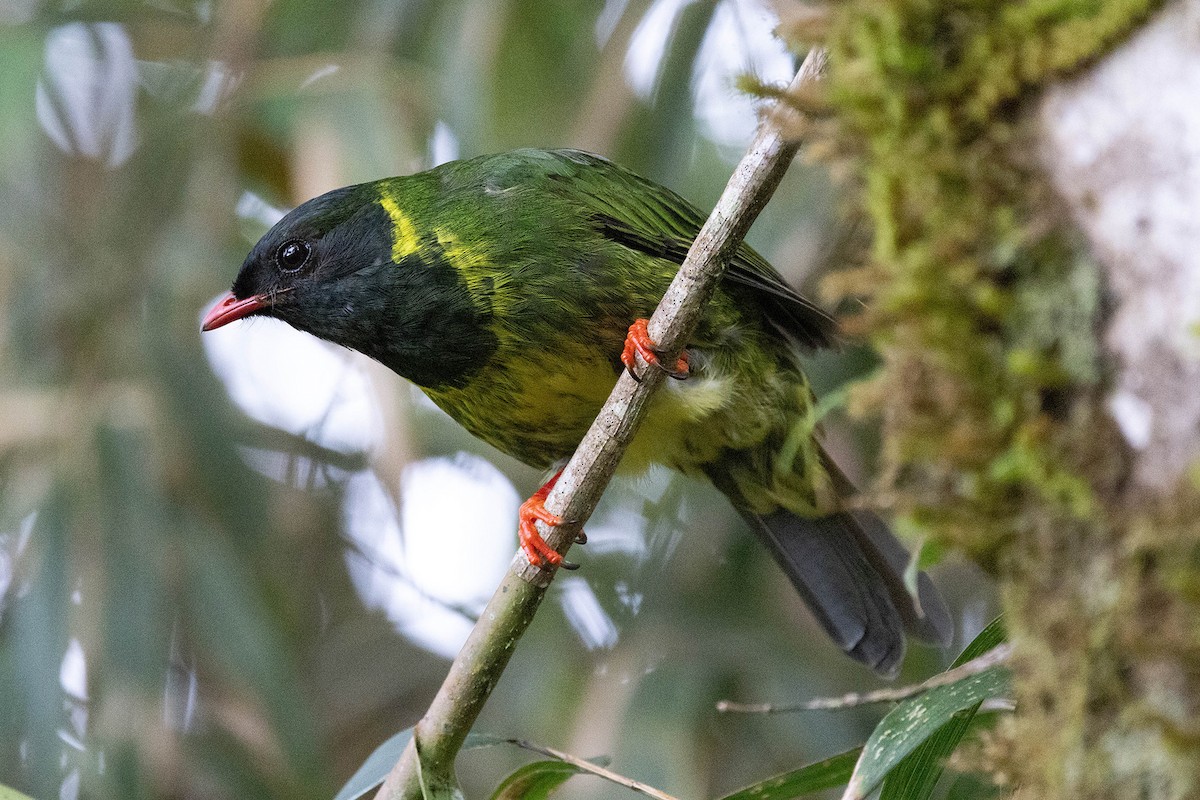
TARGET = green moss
(996,439)
(984,311)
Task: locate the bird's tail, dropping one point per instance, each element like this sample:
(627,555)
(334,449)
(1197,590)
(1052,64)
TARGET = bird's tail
(849,569)
(847,565)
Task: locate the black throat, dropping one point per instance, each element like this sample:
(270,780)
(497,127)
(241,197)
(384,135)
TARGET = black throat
(417,317)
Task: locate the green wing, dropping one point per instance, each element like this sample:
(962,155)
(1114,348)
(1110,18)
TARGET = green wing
(651,219)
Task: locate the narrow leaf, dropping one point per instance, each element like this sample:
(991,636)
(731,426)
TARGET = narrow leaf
(990,637)
(915,777)
(7,793)
(825,774)
(942,715)
(535,781)
(375,769)
(917,774)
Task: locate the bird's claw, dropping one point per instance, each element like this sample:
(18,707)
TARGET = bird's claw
(639,343)
(535,547)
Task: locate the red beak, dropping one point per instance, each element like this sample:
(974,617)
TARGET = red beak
(229,308)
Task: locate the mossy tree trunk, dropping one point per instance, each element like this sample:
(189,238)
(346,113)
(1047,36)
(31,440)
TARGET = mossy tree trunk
(1031,171)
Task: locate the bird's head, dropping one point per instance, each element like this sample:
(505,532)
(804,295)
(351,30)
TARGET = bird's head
(306,268)
(352,268)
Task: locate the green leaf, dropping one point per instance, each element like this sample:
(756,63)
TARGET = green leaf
(535,781)
(992,635)
(916,775)
(910,744)
(7,793)
(825,774)
(475,740)
(376,768)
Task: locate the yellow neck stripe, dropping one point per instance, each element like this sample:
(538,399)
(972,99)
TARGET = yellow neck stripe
(405,241)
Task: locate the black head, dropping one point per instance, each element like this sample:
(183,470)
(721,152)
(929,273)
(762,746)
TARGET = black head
(294,271)
(328,268)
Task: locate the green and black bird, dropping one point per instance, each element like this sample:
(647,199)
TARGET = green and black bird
(504,285)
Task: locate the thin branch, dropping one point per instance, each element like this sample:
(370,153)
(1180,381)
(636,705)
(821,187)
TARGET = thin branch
(481,661)
(997,655)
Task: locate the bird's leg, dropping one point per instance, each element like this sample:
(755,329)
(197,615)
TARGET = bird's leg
(535,547)
(638,342)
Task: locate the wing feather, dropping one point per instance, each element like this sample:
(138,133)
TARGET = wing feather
(654,220)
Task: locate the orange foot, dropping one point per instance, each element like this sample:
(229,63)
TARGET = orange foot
(535,547)
(638,342)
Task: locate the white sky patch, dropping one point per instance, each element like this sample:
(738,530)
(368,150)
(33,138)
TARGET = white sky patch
(459,518)
(296,382)
(12,545)
(72,675)
(69,790)
(252,208)
(86,97)
(585,614)
(1134,416)
(455,537)
(443,144)
(617,528)
(739,40)
(180,690)
(607,21)
(648,45)
(219,83)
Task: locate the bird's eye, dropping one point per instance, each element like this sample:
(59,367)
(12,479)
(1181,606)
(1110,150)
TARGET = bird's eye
(293,255)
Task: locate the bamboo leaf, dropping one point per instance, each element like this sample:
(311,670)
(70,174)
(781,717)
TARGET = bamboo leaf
(376,767)
(825,774)
(535,781)
(915,721)
(915,777)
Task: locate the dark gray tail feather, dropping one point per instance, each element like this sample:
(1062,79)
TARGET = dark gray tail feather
(850,571)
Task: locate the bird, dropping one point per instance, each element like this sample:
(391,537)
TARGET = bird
(513,289)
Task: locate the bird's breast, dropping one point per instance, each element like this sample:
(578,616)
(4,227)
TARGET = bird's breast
(538,408)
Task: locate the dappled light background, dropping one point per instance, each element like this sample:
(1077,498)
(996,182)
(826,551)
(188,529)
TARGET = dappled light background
(231,565)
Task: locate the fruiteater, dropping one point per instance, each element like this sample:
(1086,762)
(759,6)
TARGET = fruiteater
(513,289)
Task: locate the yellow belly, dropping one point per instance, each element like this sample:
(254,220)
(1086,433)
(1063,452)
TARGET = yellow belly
(538,410)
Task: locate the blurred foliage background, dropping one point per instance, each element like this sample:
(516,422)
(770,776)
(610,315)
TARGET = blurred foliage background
(223,568)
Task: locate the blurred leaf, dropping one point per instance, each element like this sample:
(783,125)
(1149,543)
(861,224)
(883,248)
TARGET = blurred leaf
(534,781)
(376,767)
(915,721)
(12,794)
(825,774)
(135,625)
(475,740)
(544,51)
(991,636)
(660,129)
(973,787)
(31,651)
(297,27)
(236,630)
(915,777)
